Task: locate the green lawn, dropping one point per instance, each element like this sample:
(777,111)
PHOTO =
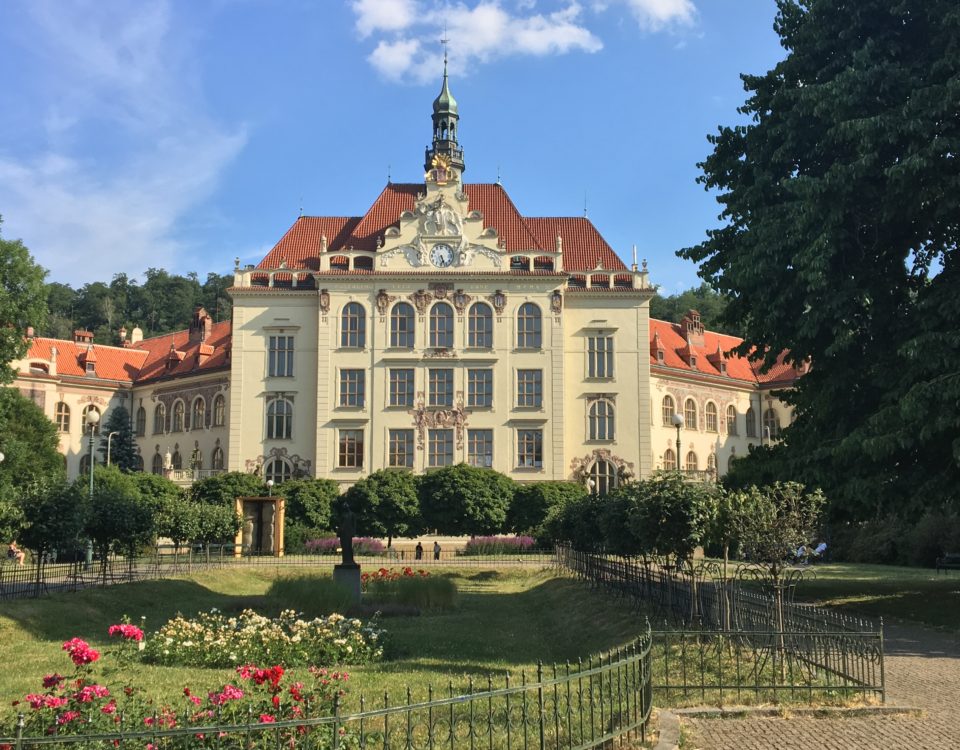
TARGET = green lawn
(916,595)
(504,621)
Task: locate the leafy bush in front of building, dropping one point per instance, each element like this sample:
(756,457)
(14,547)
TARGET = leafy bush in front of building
(463,499)
(224,489)
(533,502)
(309,501)
(385,504)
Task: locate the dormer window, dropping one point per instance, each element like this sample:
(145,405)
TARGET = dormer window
(91,368)
(693,360)
(660,356)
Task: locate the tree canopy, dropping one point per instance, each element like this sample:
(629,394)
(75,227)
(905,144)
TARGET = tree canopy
(839,245)
(386,504)
(22,302)
(465,499)
(122,446)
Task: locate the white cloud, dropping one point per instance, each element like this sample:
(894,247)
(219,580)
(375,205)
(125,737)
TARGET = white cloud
(656,15)
(383,15)
(118,71)
(480,33)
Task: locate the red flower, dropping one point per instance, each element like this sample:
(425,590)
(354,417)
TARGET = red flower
(67,716)
(52,680)
(267,719)
(80,652)
(129,632)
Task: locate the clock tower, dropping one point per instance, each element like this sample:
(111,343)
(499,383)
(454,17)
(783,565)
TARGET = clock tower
(445,123)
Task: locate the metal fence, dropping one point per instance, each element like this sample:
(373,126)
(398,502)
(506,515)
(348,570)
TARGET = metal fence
(604,702)
(164,561)
(744,641)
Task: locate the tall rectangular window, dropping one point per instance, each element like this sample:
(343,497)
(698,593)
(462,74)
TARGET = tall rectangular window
(440,447)
(480,388)
(529,388)
(352,387)
(400,449)
(440,387)
(600,356)
(281,356)
(401,387)
(530,449)
(480,448)
(350,449)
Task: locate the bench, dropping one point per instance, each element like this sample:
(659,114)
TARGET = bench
(949,561)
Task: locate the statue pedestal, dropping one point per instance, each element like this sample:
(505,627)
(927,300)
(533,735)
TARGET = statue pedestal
(347,575)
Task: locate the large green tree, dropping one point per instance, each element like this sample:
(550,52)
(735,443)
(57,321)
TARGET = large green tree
(839,245)
(386,504)
(122,446)
(465,499)
(22,302)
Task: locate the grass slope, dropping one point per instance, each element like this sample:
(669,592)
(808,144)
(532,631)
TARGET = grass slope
(504,621)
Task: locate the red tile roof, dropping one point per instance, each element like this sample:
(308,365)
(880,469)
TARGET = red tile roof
(176,348)
(111,362)
(676,356)
(583,246)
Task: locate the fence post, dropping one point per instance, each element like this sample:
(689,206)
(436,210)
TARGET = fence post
(883,677)
(336,721)
(543,743)
(19,737)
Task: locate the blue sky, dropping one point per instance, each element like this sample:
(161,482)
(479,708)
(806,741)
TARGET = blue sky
(180,134)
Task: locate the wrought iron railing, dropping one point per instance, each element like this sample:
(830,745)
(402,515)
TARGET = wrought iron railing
(40,578)
(793,649)
(598,703)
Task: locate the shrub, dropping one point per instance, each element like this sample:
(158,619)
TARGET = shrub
(465,499)
(308,501)
(935,534)
(385,504)
(409,588)
(532,503)
(313,595)
(876,542)
(297,534)
(214,640)
(498,545)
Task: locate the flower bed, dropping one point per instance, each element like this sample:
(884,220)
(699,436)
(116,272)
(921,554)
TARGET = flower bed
(389,574)
(498,545)
(362,545)
(80,705)
(214,640)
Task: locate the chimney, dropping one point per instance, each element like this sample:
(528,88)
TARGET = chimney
(29,332)
(136,336)
(692,329)
(123,334)
(53,360)
(201,326)
(81,336)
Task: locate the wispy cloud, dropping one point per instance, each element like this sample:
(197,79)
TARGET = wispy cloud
(117,70)
(657,15)
(409,30)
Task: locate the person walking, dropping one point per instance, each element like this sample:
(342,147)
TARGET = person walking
(419,551)
(436,550)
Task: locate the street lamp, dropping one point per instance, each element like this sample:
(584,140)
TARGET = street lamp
(676,419)
(109,438)
(269,488)
(92,418)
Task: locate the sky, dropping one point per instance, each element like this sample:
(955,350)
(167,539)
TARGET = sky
(181,134)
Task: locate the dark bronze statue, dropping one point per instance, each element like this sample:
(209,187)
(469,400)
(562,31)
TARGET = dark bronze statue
(348,528)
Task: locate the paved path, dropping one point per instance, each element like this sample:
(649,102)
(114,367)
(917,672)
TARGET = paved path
(922,670)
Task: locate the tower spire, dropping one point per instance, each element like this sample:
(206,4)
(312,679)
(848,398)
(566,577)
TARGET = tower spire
(445,122)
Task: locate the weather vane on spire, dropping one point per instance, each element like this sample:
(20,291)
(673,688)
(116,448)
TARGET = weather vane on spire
(444,41)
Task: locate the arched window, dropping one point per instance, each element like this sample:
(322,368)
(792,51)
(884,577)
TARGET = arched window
(177,461)
(178,412)
(62,417)
(216,460)
(83,420)
(731,420)
(771,424)
(751,419)
(601,420)
(219,411)
(141,422)
(480,333)
(669,460)
(159,419)
(279,419)
(157,464)
(441,326)
(529,327)
(401,326)
(712,463)
(690,414)
(603,474)
(692,463)
(710,417)
(85,465)
(353,326)
(199,419)
(278,470)
(669,408)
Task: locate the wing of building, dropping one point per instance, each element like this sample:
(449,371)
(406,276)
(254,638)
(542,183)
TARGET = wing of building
(441,326)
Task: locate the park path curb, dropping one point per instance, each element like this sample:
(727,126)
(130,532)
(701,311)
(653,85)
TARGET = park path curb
(824,712)
(669,728)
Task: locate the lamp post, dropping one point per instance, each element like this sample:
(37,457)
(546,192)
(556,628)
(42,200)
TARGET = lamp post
(92,418)
(109,438)
(677,420)
(269,488)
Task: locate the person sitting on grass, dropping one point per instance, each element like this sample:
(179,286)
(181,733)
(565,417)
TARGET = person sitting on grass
(15,553)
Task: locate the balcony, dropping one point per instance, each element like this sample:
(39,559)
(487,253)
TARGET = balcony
(186,477)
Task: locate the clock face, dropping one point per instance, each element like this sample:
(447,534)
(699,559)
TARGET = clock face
(441,255)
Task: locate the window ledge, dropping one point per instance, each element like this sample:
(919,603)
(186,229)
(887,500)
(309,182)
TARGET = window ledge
(529,469)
